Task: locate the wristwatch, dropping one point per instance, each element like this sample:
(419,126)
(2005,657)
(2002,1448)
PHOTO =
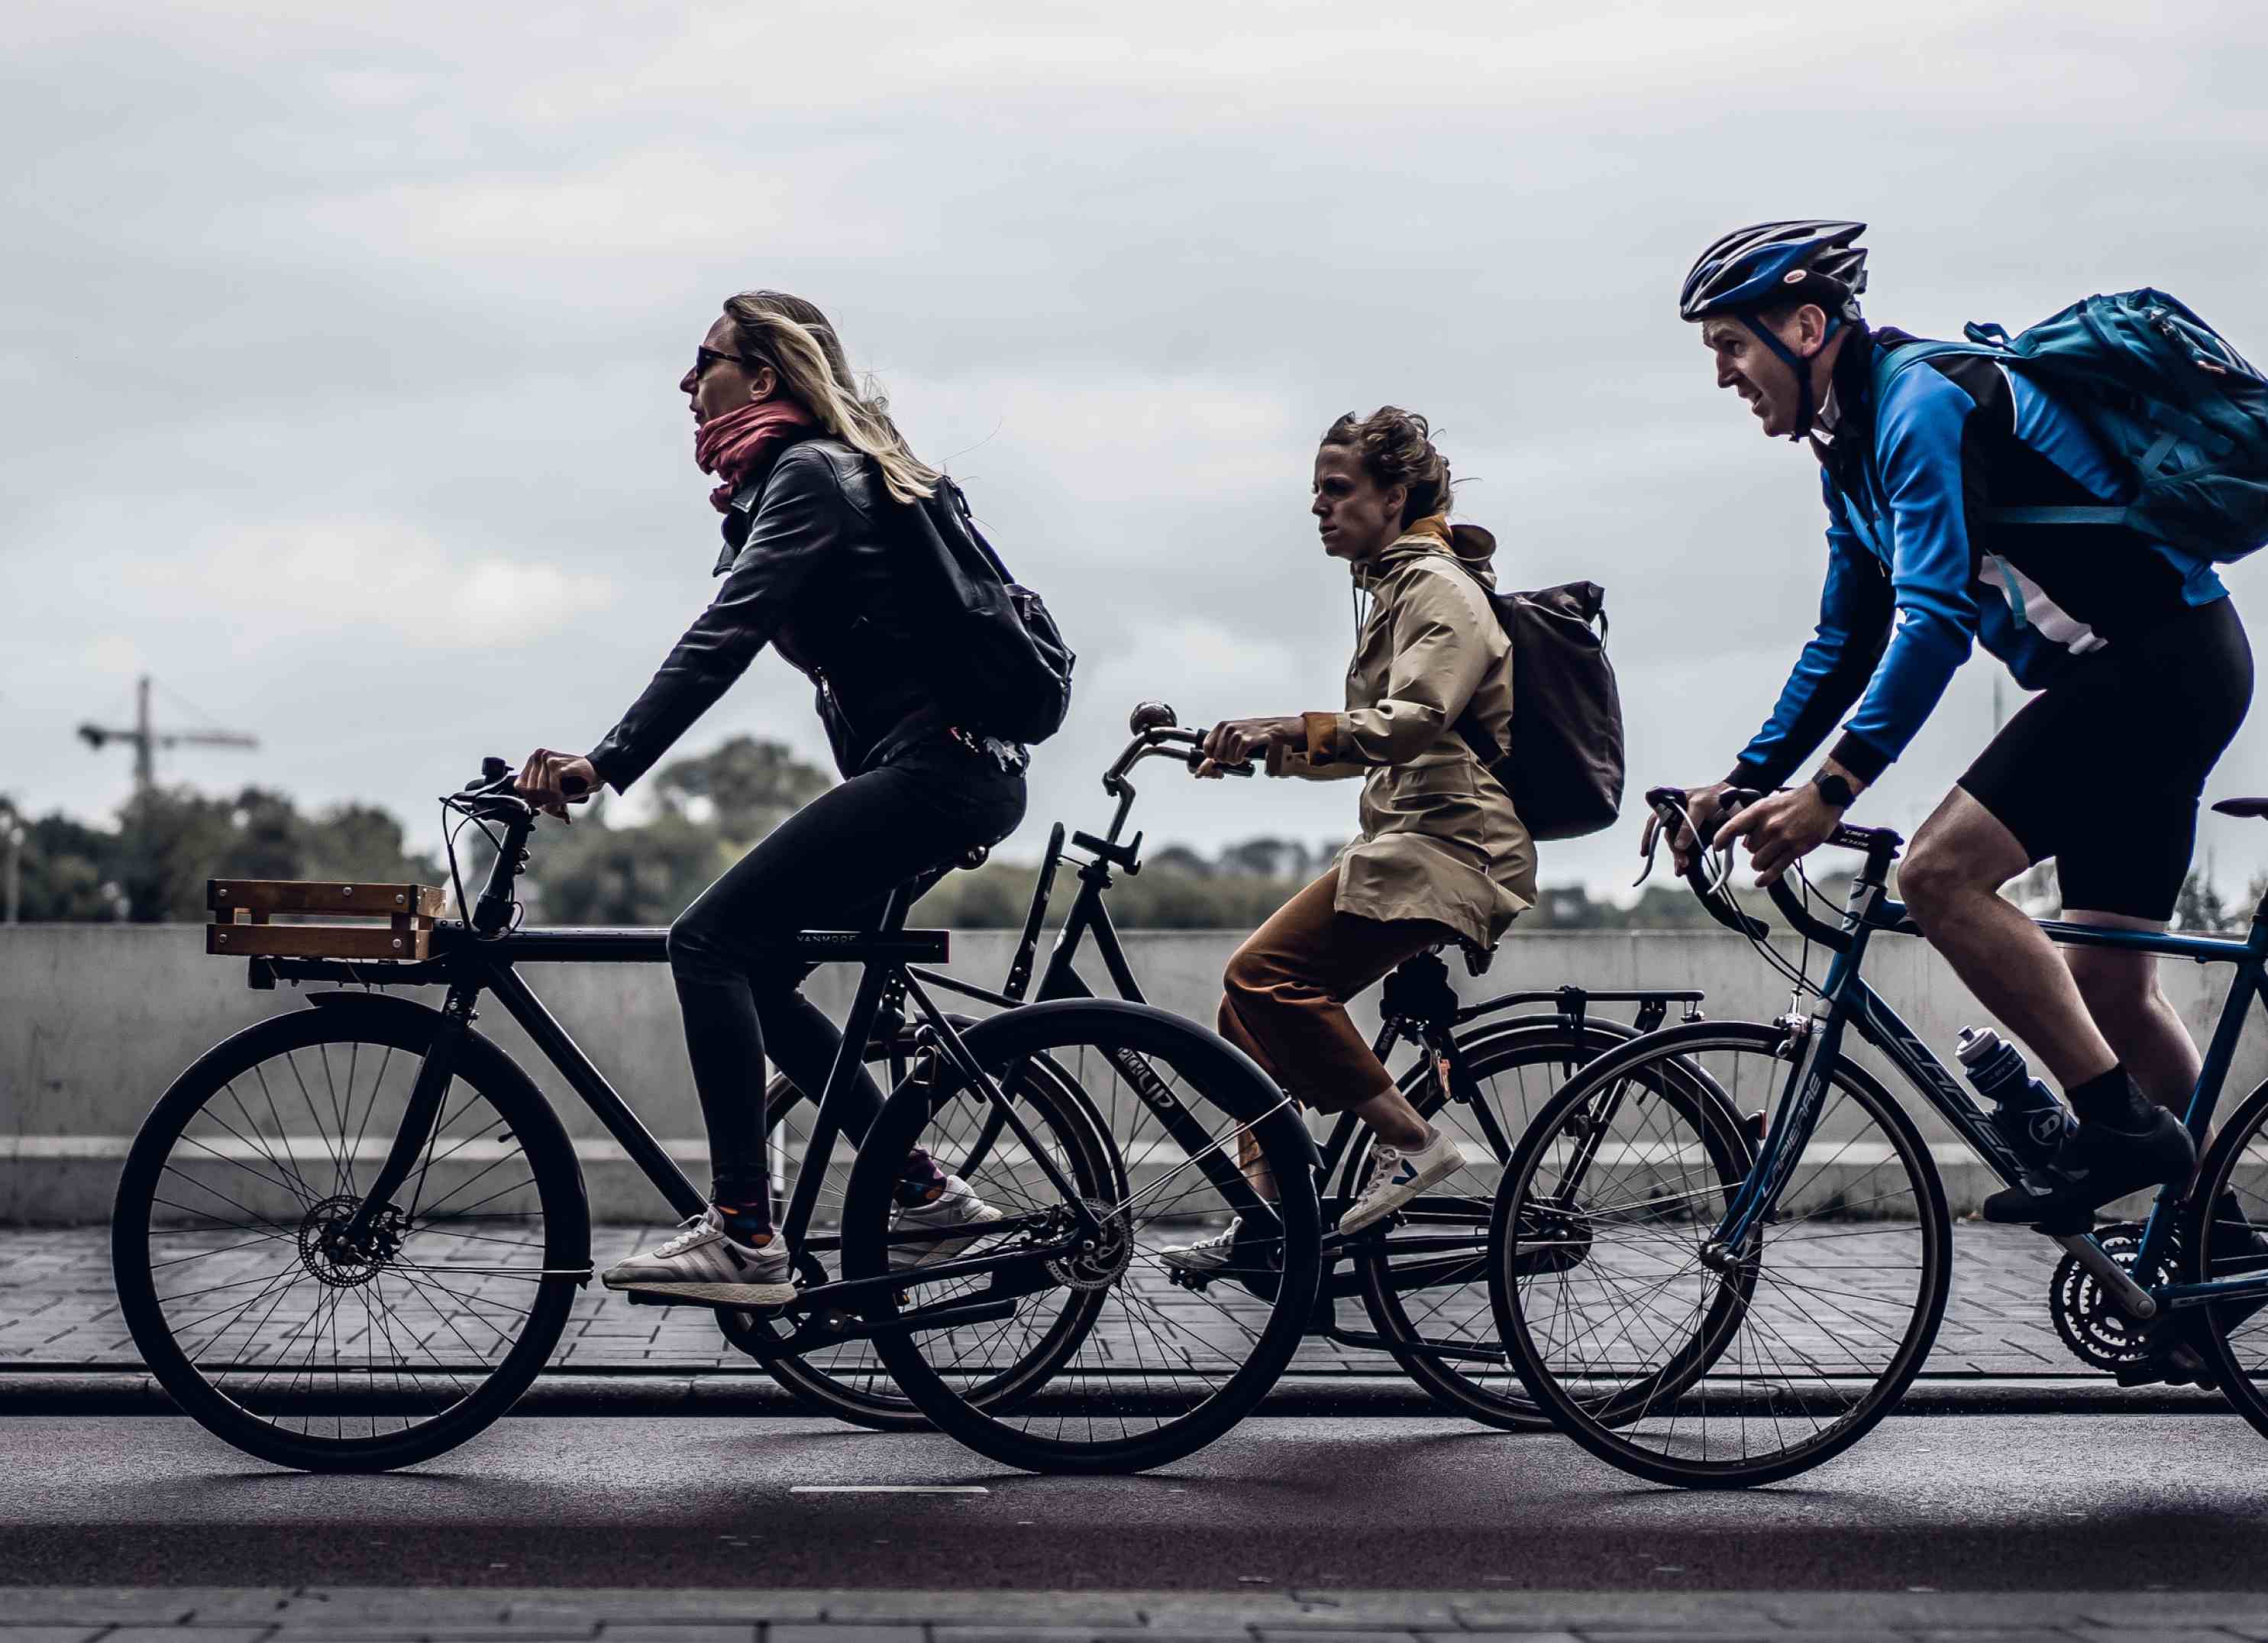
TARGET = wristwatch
(1833,789)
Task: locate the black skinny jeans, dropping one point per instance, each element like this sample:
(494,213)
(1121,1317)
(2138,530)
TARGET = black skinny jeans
(829,866)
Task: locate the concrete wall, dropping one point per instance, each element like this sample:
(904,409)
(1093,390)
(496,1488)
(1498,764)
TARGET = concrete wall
(95,1020)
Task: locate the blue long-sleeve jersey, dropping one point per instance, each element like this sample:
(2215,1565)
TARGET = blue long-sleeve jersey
(1916,572)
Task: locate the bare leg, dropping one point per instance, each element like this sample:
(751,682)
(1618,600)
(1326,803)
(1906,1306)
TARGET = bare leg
(1393,1120)
(2138,1020)
(1950,881)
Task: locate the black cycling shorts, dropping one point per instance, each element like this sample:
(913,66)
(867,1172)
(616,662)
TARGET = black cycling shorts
(2103,769)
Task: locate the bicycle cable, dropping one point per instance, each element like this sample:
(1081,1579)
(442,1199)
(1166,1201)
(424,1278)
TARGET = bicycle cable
(1720,883)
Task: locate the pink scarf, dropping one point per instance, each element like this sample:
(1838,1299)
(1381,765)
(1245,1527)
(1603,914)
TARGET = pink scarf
(736,446)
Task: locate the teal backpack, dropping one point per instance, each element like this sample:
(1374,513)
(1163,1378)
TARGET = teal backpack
(2167,399)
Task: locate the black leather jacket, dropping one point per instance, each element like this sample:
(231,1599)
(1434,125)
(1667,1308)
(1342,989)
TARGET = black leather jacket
(809,561)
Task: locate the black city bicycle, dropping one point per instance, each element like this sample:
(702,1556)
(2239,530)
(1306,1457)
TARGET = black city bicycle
(1422,1277)
(1718,1329)
(348,1236)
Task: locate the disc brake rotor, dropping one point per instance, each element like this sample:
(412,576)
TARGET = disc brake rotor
(1105,1255)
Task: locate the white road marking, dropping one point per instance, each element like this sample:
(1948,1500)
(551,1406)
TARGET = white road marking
(889,1489)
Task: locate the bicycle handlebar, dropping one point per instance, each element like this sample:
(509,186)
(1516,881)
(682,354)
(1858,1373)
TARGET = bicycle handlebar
(1668,807)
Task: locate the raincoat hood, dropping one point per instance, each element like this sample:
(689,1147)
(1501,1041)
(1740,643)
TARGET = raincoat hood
(1469,545)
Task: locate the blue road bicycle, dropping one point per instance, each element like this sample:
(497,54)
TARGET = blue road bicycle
(1722,1333)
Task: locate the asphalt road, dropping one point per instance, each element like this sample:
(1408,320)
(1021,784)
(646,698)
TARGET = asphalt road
(2091,1502)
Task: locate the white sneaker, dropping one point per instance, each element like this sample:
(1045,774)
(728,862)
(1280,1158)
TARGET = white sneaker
(1207,1255)
(957,1207)
(1396,1177)
(702,1263)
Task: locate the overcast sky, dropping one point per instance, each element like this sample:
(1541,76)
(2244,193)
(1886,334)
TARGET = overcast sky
(339,345)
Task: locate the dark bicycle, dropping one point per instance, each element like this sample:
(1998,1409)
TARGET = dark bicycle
(1722,1331)
(1422,1277)
(348,1236)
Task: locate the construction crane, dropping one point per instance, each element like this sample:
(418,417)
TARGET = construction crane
(147,740)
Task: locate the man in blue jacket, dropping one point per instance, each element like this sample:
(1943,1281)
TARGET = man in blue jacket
(2142,668)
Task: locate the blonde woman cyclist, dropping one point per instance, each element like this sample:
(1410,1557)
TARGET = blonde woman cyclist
(814,476)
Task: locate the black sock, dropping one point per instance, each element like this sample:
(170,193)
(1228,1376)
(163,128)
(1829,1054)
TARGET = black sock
(922,1180)
(2114,1099)
(744,1224)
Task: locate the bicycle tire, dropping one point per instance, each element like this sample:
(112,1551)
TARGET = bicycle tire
(1635,1426)
(491,1107)
(2234,1334)
(1423,1346)
(850,1382)
(1110,1409)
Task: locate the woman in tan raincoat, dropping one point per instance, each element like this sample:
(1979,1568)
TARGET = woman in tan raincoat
(1442,857)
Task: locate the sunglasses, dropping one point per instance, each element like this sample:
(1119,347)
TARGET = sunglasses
(704,358)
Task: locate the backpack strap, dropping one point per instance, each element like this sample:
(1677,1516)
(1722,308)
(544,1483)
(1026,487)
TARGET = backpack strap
(1987,341)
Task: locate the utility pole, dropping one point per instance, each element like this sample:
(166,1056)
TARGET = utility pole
(11,840)
(147,740)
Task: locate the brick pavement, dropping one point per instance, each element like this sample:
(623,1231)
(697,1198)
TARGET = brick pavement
(190,1615)
(57,1311)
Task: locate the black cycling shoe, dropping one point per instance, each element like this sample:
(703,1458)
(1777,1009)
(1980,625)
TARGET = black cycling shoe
(2096,1165)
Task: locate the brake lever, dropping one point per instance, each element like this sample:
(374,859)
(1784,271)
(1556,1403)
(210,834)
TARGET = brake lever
(1197,757)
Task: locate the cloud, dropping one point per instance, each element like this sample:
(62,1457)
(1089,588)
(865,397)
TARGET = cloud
(341,343)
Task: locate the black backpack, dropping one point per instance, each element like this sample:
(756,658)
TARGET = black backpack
(998,660)
(1564,769)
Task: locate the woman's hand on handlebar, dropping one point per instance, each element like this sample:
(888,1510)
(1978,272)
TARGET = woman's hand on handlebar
(552,781)
(1704,807)
(1240,740)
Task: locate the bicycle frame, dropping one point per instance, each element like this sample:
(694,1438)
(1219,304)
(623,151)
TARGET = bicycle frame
(470,965)
(1848,1002)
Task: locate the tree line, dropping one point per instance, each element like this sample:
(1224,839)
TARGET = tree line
(708,810)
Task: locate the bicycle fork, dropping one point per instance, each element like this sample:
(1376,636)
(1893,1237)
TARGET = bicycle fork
(419,1118)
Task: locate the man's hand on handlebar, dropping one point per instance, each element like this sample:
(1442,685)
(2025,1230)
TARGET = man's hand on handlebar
(1240,740)
(552,781)
(1704,807)
(1782,829)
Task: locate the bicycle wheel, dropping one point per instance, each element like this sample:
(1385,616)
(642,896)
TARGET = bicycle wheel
(1677,1361)
(849,1380)
(293,1347)
(2233,1178)
(1157,1371)
(1425,1282)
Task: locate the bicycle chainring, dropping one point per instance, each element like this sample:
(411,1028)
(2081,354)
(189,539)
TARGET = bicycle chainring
(2091,1323)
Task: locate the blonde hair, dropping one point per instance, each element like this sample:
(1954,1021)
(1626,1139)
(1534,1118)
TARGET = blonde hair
(797,341)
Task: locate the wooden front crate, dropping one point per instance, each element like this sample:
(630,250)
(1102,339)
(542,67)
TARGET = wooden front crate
(243,910)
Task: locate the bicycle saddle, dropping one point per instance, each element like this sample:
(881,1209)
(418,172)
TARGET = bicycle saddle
(2243,808)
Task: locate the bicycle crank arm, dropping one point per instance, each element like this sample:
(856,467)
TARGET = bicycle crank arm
(2131,1297)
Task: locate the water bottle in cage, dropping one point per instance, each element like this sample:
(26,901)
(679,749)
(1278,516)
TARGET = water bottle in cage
(2026,1113)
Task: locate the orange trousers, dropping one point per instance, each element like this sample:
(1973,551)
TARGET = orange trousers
(1284,995)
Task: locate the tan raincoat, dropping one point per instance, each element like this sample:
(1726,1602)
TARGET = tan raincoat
(1441,839)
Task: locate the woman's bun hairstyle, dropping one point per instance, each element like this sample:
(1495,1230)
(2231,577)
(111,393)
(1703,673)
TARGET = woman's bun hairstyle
(1397,448)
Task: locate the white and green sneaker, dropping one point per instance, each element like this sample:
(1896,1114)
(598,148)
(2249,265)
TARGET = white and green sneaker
(1397,1176)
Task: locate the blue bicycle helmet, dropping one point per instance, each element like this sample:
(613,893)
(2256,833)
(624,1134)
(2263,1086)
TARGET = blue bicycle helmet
(1766,264)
